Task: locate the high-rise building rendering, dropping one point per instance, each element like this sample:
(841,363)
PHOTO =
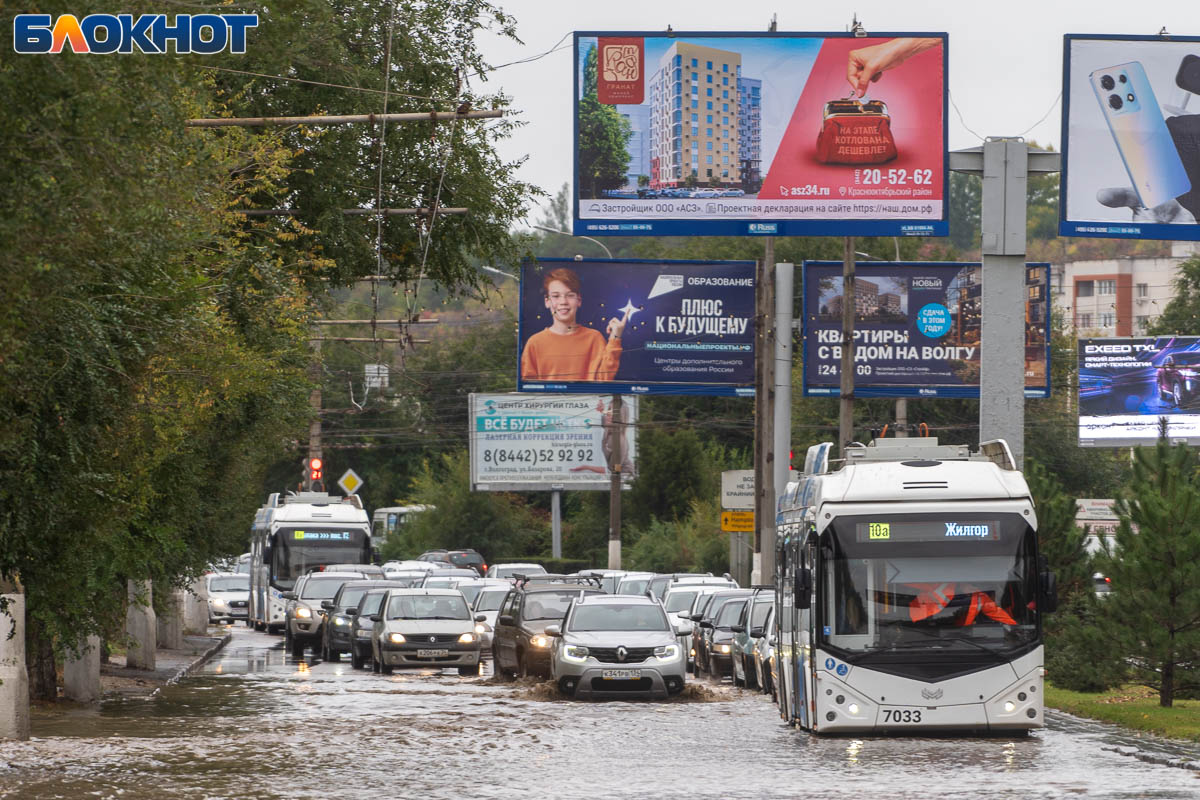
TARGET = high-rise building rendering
(749,131)
(638,145)
(694,124)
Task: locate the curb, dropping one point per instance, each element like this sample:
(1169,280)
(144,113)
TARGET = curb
(1154,758)
(199,661)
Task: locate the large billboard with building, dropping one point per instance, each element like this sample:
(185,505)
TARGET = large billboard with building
(634,326)
(1130,138)
(735,134)
(529,442)
(916,329)
(1126,385)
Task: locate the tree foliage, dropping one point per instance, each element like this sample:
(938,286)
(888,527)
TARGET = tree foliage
(1182,314)
(603,135)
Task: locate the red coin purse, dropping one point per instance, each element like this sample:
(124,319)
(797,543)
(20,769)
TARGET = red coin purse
(853,132)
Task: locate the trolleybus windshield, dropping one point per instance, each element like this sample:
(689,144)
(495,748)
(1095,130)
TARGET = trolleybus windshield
(297,550)
(896,583)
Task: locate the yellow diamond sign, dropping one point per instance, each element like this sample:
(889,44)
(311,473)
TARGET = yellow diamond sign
(350,482)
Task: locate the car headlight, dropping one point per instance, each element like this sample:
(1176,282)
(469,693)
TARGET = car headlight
(482,627)
(216,602)
(466,638)
(575,652)
(396,638)
(303,612)
(363,633)
(539,641)
(340,621)
(667,652)
(723,649)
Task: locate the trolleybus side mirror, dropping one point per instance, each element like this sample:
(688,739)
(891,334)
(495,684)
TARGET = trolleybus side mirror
(288,595)
(1048,584)
(803,587)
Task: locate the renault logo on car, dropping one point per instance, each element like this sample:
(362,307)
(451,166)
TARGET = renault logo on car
(433,638)
(622,653)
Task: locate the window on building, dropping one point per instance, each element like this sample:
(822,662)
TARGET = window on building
(1140,323)
(708,145)
(695,129)
(725,160)
(708,119)
(708,65)
(724,120)
(709,175)
(695,117)
(695,104)
(724,68)
(1143,289)
(708,105)
(708,131)
(708,78)
(694,62)
(725,146)
(724,81)
(708,160)
(1106,287)
(1083,320)
(695,76)
(1084,288)
(1108,319)
(725,94)
(678,59)
(725,107)
(708,93)
(724,173)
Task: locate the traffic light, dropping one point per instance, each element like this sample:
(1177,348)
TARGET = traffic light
(314,469)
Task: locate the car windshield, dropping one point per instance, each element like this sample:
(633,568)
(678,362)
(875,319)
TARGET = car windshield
(680,601)
(438,583)
(321,588)
(422,606)
(465,559)
(469,591)
(641,617)
(548,605)
(633,586)
(230,583)
(729,613)
(370,604)
(490,601)
(350,597)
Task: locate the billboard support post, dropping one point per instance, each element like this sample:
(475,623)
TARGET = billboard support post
(784,298)
(1005,164)
(614,489)
(846,404)
(764,406)
(556,522)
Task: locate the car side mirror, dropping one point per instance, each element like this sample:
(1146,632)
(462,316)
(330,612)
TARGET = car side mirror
(505,619)
(1048,588)
(374,618)
(803,588)
(288,595)
(706,624)
(553,630)
(327,605)
(738,628)
(694,617)
(481,617)
(756,633)
(683,630)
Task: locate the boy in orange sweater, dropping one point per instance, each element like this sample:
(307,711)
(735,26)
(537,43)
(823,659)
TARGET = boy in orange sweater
(568,351)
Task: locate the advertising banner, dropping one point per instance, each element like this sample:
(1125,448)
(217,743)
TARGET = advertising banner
(1131,138)
(1127,385)
(637,327)
(916,329)
(777,134)
(529,442)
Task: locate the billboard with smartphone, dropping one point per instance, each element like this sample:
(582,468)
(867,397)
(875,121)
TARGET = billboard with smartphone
(735,134)
(633,326)
(1126,385)
(1131,137)
(917,329)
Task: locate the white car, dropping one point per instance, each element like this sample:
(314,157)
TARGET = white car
(228,596)
(509,570)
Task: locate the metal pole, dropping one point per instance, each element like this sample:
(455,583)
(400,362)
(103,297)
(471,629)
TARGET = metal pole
(617,431)
(314,425)
(764,405)
(901,417)
(556,523)
(784,298)
(345,119)
(846,410)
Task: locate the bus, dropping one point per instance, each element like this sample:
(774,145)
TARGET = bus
(909,592)
(389,520)
(292,535)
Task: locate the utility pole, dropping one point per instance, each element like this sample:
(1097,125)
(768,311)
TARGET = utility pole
(846,402)
(1004,163)
(782,411)
(314,426)
(617,431)
(764,407)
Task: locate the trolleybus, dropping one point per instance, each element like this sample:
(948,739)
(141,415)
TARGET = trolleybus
(292,535)
(909,592)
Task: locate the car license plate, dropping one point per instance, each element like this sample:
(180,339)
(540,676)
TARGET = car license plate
(237,612)
(621,674)
(432,653)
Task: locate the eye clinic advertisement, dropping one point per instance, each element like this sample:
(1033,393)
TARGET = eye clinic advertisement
(637,327)
(1131,137)
(917,329)
(768,134)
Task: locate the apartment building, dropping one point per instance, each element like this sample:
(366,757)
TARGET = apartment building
(638,145)
(749,131)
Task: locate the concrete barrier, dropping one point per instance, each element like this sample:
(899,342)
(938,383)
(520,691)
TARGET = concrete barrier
(195,608)
(140,626)
(170,622)
(81,672)
(14,679)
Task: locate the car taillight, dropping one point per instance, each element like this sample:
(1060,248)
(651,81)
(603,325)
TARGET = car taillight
(483,567)
(1107,580)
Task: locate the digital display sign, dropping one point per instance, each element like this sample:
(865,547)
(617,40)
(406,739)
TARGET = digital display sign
(928,531)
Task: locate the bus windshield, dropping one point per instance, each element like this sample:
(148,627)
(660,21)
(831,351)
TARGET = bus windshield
(934,581)
(298,550)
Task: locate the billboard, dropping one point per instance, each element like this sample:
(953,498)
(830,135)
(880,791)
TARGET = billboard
(736,134)
(632,326)
(1130,138)
(529,442)
(1126,385)
(916,329)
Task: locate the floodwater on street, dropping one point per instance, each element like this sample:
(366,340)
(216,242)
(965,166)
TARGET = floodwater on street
(257,723)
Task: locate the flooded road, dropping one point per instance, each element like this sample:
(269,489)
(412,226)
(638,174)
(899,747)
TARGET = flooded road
(256,723)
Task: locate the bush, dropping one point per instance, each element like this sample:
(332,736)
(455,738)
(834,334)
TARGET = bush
(1079,655)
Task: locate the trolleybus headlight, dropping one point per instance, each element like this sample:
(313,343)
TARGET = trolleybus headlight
(1009,707)
(853,709)
(397,638)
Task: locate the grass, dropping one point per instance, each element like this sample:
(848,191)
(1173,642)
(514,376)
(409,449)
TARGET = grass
(1134,707)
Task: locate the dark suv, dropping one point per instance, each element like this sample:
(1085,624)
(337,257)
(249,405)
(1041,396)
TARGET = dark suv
(519,643)
(1179,378)
(467,559)
(337,634)
(702,637)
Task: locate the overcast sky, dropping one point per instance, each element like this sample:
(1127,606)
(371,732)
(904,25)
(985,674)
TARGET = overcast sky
(1005,70)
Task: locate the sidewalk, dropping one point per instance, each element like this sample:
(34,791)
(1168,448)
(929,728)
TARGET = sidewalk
(170,666)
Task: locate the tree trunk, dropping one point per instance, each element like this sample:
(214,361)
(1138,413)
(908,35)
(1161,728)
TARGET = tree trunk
(1166,692)
(39,661)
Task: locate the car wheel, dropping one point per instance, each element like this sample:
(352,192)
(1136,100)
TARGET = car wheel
(470,671)
(374,663)
(297,648)
(522,665)
(498,666)
(385,669)
(356,661)
(332,654)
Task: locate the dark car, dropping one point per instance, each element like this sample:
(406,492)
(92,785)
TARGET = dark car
(337,634)
(750,626)
(362,621)
(1179,378)
(718,639)
(467,559)
(704,619)
(519,643)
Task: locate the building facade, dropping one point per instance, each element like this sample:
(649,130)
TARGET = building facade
(749,131)
(638,145)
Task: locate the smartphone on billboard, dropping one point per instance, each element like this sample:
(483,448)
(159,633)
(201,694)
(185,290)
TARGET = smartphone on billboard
(1141,134)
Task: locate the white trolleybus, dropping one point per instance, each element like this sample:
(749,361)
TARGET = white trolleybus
(910,592)
(293,534)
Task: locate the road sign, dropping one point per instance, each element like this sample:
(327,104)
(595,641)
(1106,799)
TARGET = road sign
(737,521)
(350,482)
(737,488)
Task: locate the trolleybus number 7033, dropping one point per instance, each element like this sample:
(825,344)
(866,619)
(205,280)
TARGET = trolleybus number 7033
(901,715)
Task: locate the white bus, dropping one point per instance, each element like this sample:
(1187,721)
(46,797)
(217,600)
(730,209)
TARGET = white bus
(294,534)
(909,592)
(389,520)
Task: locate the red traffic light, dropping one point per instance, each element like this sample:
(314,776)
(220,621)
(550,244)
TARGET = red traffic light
(314,469)
(314,463)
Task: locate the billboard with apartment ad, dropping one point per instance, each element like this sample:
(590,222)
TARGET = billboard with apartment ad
(916,329)
(1126,385)
(774,134)
(632,326)
(1131,137)
(531,442)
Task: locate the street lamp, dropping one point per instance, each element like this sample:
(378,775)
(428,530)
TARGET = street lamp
(607,252)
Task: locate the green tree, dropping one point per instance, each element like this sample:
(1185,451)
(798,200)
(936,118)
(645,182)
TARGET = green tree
(1182,314)
(966,208)
(673,471)
(1153,614)
(602,155)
